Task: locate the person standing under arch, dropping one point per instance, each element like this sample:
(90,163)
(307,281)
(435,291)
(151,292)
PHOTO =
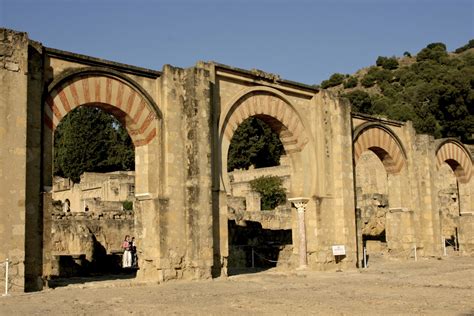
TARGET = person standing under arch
(127,255)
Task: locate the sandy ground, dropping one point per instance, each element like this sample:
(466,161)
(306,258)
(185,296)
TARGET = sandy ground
(433,287)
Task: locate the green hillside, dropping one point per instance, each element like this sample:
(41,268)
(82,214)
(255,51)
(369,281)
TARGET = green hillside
(434,89)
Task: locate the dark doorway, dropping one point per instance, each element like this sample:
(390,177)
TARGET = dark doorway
(253,248)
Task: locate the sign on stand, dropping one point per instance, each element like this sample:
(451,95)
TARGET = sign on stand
(338,250)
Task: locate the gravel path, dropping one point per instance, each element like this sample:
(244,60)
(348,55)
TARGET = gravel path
(433,287)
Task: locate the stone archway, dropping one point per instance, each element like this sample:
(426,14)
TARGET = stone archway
(114,93)
(457,157)
(391,205)
(109,91)
(382,142)
(454,200)
(273,108)
(276,110)
(119,96)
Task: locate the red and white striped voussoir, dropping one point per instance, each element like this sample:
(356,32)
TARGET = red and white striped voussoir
(375,137)
(451,151)
(291,128)
(110,94)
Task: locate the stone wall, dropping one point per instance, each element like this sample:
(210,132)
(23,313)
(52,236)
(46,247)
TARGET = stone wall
(448,201)
(77,233)
(94,187)
(280,218)
(182,186)
(94,238)
(371,194)
(17,203)
(466,234)
(176,227)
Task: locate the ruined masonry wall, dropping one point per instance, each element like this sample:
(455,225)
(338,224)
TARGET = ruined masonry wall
(181,209)
(176,227)
(80,233)
(13,151)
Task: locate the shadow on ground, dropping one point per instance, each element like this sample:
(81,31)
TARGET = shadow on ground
(126,274)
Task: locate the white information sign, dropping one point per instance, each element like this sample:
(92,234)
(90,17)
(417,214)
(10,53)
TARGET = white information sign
(338,250)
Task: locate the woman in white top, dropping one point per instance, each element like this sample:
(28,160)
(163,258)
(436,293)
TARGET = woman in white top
(127,255)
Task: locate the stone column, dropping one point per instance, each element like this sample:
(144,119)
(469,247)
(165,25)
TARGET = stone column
(300,204)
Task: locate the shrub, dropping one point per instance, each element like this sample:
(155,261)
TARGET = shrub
(335,80)
(391,63)
(387,63)
(380,61)
(127,205)
(368,80)
(271,191)
(376,75)
(434,51)
(469,45)
(351,83)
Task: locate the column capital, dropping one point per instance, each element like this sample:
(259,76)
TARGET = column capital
(299,202)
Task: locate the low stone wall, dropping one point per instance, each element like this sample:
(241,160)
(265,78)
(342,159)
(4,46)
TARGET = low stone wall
(279,218)
(89,236)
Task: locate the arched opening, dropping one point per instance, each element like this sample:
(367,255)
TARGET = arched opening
(454,193)
(260,176)
(94,180)
(85,237)
(383,223)
(449,206)
(258,237)
(282,118)
(372,201)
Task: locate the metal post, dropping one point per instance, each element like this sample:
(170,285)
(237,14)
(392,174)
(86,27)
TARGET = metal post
(415,252)
(6,277)
(365,257)
(444,246)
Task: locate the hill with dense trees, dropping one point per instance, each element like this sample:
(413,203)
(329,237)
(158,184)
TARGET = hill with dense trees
(434,89)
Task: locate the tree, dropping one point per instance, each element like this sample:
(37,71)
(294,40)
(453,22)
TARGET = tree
(254,143)
(360,101)
(435,92)
(88,139)
(434,51)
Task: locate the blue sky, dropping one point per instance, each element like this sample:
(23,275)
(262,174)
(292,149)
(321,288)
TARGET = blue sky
(300,40)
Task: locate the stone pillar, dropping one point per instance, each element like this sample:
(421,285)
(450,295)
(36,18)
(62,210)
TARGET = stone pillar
(399,229)
(466,233)
(300,204)
(14,203)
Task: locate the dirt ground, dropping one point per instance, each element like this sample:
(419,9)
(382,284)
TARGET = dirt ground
(443,286)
